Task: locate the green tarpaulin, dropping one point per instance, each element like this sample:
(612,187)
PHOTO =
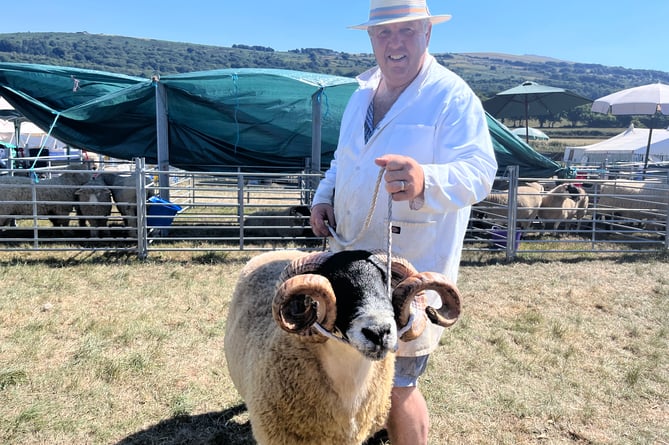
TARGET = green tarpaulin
(216,120)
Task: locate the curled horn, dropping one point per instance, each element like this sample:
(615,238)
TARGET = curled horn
(449,311)
(409,286)
(303,298)
(304,264)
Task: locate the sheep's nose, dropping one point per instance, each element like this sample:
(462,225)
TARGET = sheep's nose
(377,334)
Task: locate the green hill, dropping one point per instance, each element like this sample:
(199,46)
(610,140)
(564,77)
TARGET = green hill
(487,73)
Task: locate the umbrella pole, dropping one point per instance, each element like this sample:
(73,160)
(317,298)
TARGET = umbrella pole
(527,126)
(650,137)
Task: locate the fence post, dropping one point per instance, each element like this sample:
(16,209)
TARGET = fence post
(140,197)
(240,208)
(316,128)
(162,138)
(512,212)
(33,185)
(666,222)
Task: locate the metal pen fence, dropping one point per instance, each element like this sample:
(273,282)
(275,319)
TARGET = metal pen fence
(240,210)
(596,213)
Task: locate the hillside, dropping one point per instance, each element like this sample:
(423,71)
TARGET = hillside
(487,73)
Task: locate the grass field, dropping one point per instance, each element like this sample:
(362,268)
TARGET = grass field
(562,137)
(106,349)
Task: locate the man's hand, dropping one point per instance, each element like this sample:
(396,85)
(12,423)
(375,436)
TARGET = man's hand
(404,177)
(322,215)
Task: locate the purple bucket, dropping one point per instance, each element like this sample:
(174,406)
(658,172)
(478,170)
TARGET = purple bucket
(500,237)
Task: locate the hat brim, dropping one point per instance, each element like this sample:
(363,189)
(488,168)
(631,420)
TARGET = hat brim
(434,19)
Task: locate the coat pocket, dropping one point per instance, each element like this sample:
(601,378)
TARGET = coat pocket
(414,240)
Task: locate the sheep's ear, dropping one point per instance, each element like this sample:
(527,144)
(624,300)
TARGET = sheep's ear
(78,192)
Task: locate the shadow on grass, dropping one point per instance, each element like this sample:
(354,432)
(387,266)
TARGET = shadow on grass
(216,428)
(229,427)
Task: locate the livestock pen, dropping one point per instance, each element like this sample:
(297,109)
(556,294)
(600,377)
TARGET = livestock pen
(253,210)
(587,214)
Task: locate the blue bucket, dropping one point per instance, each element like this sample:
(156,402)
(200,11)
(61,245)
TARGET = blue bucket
(160,212)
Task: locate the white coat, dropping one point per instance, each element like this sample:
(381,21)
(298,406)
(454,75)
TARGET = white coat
(438,121)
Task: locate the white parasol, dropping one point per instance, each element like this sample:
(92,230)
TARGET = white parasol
(644,100)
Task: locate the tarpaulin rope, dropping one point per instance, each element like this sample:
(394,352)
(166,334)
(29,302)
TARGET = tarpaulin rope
(33,175)
(321,92)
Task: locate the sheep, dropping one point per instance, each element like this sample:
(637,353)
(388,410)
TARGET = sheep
(642,202)
(528,203)
(94,204)
(290,222)
(535,185)
(561,204)
(54,197)
(11,182)
(310,341)
(582,204)
(124,192)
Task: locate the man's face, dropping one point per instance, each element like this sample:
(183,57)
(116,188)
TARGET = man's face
(400,49)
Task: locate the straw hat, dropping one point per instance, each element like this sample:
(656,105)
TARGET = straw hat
(383,12)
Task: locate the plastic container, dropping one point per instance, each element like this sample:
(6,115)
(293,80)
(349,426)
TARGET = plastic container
(160,213)
(500,237)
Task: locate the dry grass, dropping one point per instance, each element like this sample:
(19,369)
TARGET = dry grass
(105,349)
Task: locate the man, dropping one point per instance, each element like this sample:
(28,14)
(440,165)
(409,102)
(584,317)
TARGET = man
(427,129)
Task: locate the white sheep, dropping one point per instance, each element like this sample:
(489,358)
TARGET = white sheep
(8,183)
(94,204)
(562,204)
(643,202)
(528,204)
(54,197)
(310,341)
(582,204)
(123,188)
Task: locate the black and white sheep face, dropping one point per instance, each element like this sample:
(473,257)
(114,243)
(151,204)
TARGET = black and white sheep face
(364,308)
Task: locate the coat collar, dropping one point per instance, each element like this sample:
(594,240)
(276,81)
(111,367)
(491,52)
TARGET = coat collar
(369,81)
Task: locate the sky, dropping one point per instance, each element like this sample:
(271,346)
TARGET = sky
(607,32)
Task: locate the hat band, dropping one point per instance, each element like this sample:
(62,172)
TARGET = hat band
(393,12)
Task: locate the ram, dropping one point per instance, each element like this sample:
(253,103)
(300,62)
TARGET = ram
(310,341)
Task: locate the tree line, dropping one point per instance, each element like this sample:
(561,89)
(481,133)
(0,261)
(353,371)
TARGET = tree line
(487,74)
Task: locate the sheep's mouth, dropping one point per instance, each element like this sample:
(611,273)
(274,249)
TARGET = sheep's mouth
(378,353)
(376,350)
